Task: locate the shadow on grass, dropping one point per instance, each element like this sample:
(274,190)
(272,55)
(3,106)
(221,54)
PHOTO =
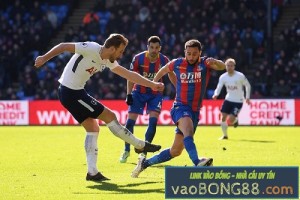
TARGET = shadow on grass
(128,188)
(260,141)
(153,166)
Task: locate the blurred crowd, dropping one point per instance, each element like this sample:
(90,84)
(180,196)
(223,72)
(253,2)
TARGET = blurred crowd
(226,28)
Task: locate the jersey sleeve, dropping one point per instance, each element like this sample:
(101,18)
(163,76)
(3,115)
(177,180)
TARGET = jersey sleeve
(166,59)
(219,86)
(112,65)
(171,64)
(134,64)
(205,62)
(247,86)
(85,48)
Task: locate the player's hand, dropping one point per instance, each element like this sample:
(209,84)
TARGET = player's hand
(129,99)
(210,61)
(39,61)
(214,97)
(158,86)
(247,101)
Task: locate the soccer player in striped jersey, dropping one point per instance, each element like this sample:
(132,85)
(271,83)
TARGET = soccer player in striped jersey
(147,64)
(234,82)
(88,59)
(190,76)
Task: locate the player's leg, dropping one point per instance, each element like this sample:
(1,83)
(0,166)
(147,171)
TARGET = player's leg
(151,130)
(91,149)
(225,110)
(224,126)
(129,125)
(185,124)
(164,156)
(85,109)
(134,110)
(235,110)
(232,119)
(91,144)
(120,131)
(187,121)
(154,104)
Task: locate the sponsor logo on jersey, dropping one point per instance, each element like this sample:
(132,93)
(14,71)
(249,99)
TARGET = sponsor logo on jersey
(232,87)
(91,70)
(149,75)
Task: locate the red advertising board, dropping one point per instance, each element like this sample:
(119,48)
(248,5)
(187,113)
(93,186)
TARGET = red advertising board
(297,112)
(49,113)
(53,113)
(259,112)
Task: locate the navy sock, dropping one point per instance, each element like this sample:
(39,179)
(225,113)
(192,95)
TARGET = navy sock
(129,125)
(191,149)
(163,156)
(151,130)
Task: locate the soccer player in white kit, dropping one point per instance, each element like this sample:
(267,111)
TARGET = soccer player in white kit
(234,82)
(89,58)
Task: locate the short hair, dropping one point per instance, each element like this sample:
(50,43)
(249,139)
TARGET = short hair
(230,60)
(154,39)
(193,43)
(115,40)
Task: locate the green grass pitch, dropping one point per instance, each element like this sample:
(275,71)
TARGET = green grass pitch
(42,162)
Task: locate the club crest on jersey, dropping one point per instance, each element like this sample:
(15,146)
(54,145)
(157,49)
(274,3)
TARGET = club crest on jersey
(199,68)
(93,102)
(102,67)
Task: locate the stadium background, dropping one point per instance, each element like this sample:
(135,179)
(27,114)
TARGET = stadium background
(262,35)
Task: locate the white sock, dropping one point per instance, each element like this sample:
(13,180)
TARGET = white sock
(224,127)
(91,150)
(123,133)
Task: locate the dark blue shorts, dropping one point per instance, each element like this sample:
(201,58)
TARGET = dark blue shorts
(79,103)
(153,101)
(181,111)
(231,108)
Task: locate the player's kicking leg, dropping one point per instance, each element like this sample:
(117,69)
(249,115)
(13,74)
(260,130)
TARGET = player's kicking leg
(140,146)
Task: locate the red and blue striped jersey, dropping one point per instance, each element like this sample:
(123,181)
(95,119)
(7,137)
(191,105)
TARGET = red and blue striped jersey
(191,81)
(142,65)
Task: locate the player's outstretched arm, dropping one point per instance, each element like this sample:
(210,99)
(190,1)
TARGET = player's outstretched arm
(218,89)
(215,64)
(172,77)
(164,70)
(248,90)
(56,50)
(137,78)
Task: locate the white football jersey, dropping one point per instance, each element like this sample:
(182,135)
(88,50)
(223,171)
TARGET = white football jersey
(234,86)
(84,63)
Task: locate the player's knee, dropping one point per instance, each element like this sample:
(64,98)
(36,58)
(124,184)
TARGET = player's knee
(109,117)
(223,118)
(231,119)
(91,125)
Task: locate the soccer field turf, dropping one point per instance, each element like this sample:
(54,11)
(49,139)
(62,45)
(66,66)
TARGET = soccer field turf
(49,162)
